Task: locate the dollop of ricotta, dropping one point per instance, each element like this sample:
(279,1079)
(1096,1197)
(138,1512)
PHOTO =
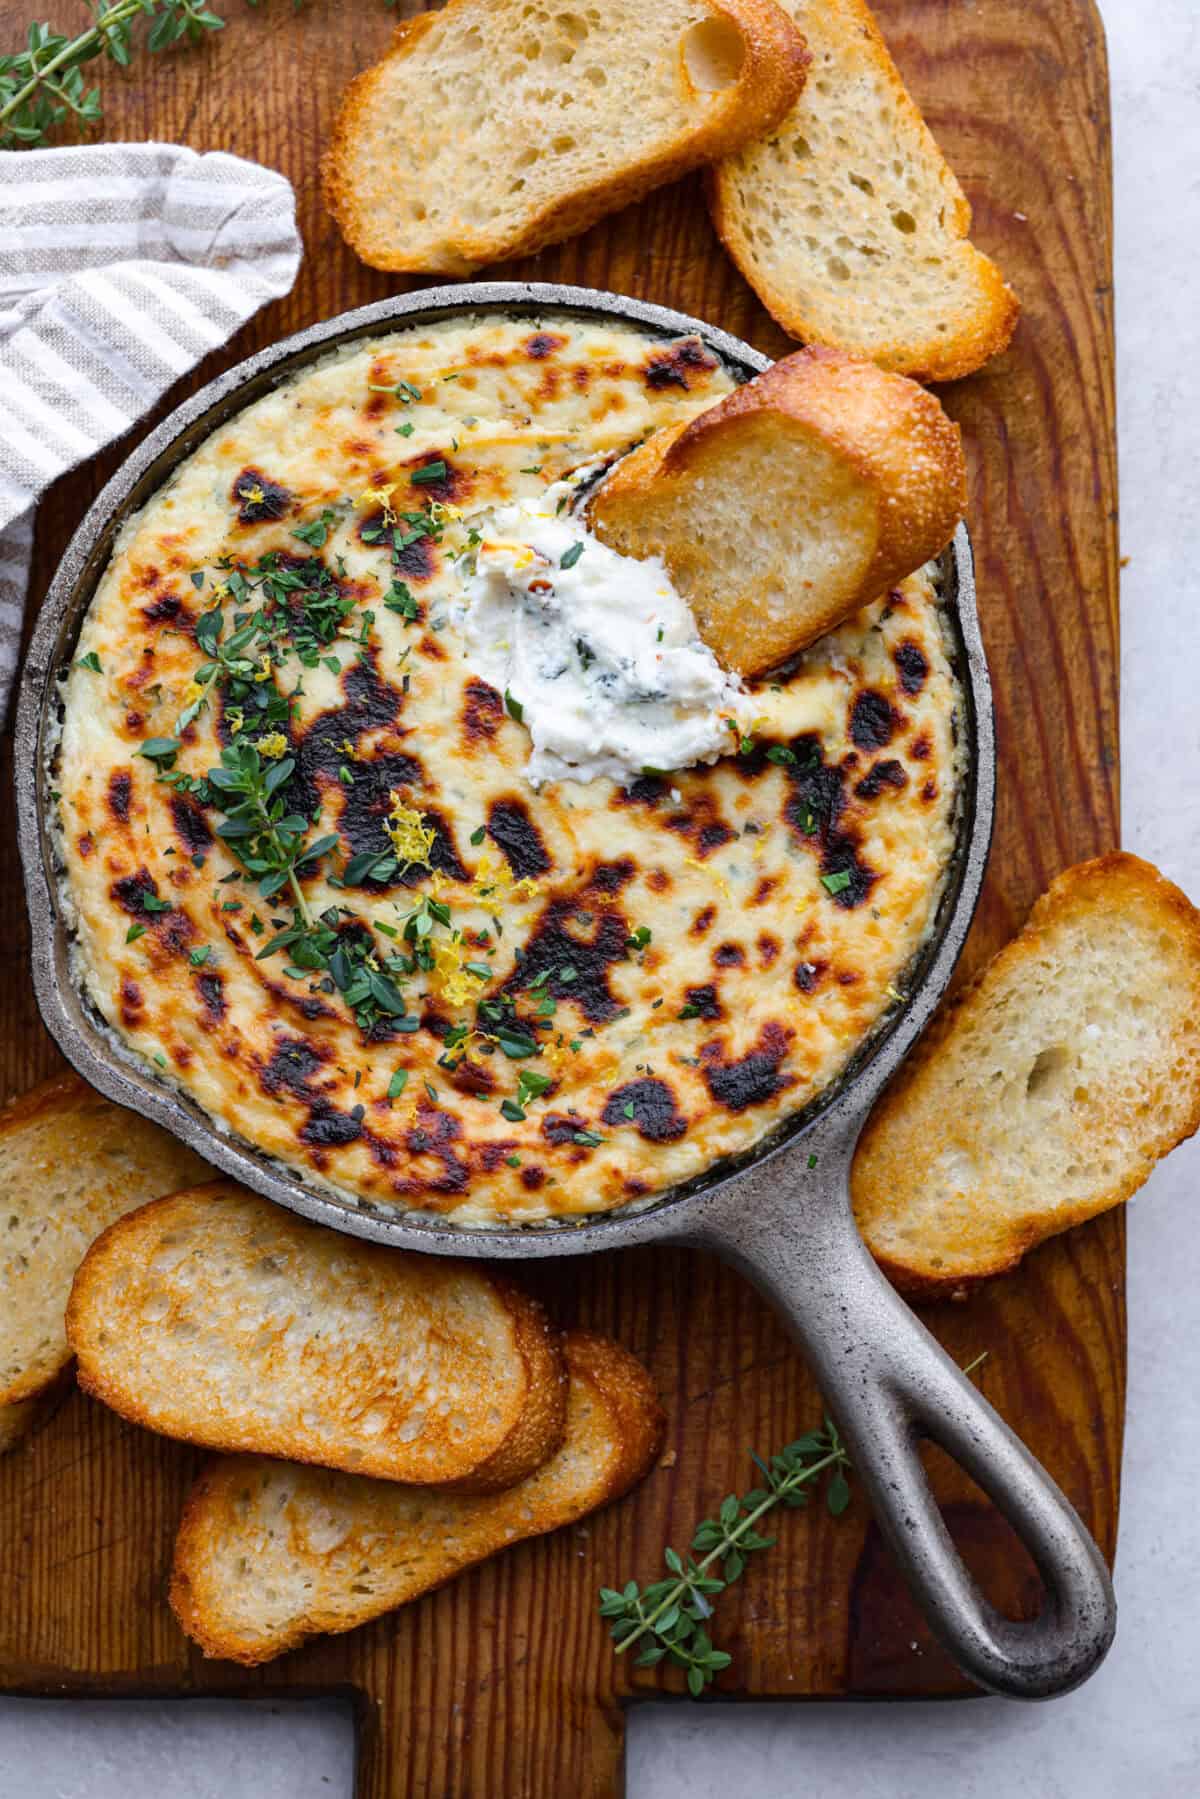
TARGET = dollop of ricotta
(595,652)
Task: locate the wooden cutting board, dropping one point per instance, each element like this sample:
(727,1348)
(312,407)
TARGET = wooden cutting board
(504,1683)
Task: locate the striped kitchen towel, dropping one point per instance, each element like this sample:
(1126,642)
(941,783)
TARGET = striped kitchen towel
(121,265)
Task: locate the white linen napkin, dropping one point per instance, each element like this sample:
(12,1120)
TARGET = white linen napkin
(121,265)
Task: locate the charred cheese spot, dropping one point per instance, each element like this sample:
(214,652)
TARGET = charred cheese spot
(649,1106)
(514,833)
(166,609)
(543,344)
(120,787)
(681,364)
(191,826)
(258,498)
(575,942)
(702,825)
(482,712)
(432,1140)
(702,1001)
(85,844)
(872,721)
(728,955)
(807,975)
(131,1004)
(884,774)
(559,1128)
(703,921)
(327,1128)
(647,790)
(434,476)
(211,988)
(913,666)
(752,1079)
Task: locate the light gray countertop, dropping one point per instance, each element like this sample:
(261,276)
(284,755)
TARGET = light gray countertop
(1136,1726)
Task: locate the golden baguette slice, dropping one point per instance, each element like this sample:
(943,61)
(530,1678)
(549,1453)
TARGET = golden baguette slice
(271,1553)
(488,131)
(218,1317)
(1048,1092)
(70,1164)
(847,221)
(788,505)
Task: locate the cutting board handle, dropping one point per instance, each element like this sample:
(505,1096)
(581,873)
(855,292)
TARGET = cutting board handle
(889,1386)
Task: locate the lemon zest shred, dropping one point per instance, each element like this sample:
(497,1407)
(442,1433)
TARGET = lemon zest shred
(410,837)
(272,746)
(380,496)
(494,879)
(454,983)
(718,880)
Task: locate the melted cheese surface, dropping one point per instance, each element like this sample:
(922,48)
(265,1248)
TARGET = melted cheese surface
(693,958)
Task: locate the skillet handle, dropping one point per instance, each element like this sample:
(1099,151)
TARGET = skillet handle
(889,1384)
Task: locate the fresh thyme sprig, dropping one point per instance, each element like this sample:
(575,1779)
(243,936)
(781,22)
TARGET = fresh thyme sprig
(268,840)
(674,1612)
(43,84)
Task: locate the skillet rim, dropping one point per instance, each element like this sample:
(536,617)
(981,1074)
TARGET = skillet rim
(116,1072)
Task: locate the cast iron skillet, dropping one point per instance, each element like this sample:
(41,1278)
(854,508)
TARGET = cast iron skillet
(782,1215)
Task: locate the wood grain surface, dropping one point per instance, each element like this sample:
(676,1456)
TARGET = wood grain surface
(504,1683)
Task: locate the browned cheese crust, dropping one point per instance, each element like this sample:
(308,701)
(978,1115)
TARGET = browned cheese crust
(784,890)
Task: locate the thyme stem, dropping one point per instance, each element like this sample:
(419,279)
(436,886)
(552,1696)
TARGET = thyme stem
(837,1455)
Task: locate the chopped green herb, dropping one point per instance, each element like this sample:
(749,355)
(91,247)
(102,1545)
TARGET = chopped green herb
(432,471)
(779,752)
(836,882)
(639,938)
(92,661)
(134,932)
(151,903)
(161,750)
(400,598)
(531,1085)
(199,957)
(478,836)
(534,469)
(570,557)
(404,391)
(317,530)
(513,1161)
(588,1139)
(513,707)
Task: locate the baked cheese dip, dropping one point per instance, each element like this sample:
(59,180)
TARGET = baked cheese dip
(317,882)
